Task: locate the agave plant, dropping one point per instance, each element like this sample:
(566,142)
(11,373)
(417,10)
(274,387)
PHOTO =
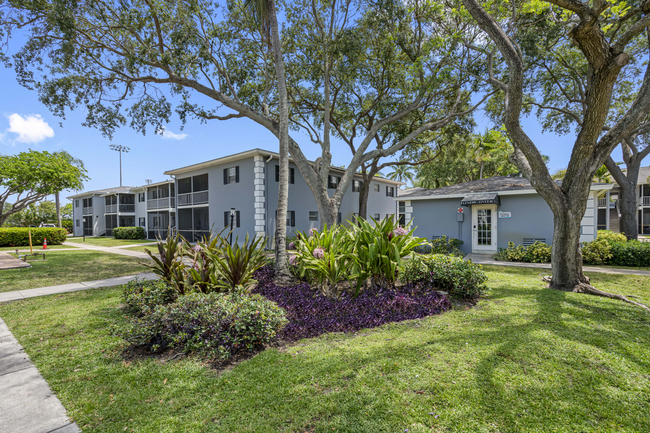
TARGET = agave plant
(235,264)
(168,263)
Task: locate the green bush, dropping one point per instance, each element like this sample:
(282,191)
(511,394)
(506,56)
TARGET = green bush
(19,236)
(141,296)
(630,253)
(442,245)
(129,233)
(512,253)
(611,236)
(67,224)
(460,278)
(597,252)
(216,326)
(538,252)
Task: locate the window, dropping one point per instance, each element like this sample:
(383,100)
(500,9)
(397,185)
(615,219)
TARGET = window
(77,221)
(390,215)
(377,187)
(235,220)
(356,185)
(142,221)
(230,175)
(390,191)
(338,218)
(184,186)
(377,216)
(291,218)
(292,178)
(313,216)
(140,198)
(76,204)
(333,182)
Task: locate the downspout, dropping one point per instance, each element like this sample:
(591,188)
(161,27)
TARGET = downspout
(266,202)
(175,206)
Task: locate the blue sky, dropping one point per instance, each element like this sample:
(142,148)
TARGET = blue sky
(25,123)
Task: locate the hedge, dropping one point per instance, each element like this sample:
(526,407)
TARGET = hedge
(129,233)
(631,253)
(19,236)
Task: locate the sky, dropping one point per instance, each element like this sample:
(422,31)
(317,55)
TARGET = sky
(25,123)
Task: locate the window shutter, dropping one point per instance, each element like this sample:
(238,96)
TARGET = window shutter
(226,220)
(237,176)
(225,176)
(291,173)
(277,173)
(293,218)
(237,217)
(338,218)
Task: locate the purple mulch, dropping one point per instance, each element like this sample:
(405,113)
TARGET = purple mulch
(311,314)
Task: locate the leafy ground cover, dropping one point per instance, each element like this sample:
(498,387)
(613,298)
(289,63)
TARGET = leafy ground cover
(62,267)
(37,248)
(311,314)
(107,241)
(523,359)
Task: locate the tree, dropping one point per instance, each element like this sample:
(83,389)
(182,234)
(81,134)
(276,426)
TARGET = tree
(601,175)
(402,173)
(518,39)
(29,177)
(43,212)
(104,56)
(67,212)
(57,200)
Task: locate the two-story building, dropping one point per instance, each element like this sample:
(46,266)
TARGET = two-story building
(609,212)
(205,195)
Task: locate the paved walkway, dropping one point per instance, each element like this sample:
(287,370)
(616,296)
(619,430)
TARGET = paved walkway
(488,260)
(72,287)
(114,250)
(7,261)
(27,404)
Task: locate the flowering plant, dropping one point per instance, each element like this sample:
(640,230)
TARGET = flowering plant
(313,231)
(319,253)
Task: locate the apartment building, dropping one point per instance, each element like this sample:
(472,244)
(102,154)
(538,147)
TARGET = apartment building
(204,195)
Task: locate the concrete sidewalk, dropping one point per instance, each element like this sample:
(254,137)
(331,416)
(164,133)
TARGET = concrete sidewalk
(484,259)
(27,404)
(113,250)
(73,287)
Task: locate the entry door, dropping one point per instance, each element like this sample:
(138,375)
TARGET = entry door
(484,228)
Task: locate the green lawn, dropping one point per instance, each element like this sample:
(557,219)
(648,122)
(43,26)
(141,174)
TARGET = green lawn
(151,247)
(38,248)
(526,359)
(69,267)
(107,241)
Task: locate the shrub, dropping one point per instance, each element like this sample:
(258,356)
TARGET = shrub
(235,265)
(311,314)
(67,224)
(443,245)
(512,253)
(611,236)
(597,252)
(460,278)
(168,264)
(19,236)
(129,233)
(141,296)
(538,252)
(216,326)
(630,253)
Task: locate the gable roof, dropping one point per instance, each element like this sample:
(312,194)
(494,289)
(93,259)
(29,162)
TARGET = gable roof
(499,184)
(115,190)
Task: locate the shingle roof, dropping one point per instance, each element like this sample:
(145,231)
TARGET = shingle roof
(497,183)
(117,190)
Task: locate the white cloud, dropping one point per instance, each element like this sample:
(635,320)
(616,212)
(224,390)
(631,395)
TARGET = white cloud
(30,129)
(170,135)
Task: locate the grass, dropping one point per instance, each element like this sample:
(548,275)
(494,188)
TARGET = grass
(38,248)
(526,359)
(143,247)
(107,241)
(69,267)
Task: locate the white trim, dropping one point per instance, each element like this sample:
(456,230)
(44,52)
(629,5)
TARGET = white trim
(494,233)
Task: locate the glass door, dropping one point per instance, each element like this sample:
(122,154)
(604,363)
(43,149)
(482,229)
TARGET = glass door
(484,231)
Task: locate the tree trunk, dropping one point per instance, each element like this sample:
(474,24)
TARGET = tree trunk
(282,274)
(627,197)
(58,208)
(566,253)
(363,199)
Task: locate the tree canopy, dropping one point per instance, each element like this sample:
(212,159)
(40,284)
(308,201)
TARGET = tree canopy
(29,177)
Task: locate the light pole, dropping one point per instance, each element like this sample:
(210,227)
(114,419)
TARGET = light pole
(232,217)
(120,149)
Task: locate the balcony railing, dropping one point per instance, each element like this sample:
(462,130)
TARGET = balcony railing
(192,198)
(161,203)
(645,200)
(111,208)
(602,202)
(88,211)
(127,208)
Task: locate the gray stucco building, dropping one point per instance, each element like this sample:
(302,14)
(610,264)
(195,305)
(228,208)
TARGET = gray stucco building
(201,196)
(488,213)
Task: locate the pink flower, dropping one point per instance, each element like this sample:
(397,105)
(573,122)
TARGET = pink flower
(319,253)
(400,231)
(293,260)
(313,231)
(292,246)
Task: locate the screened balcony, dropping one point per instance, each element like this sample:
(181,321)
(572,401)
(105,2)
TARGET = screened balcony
(193,191)
(161,197)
